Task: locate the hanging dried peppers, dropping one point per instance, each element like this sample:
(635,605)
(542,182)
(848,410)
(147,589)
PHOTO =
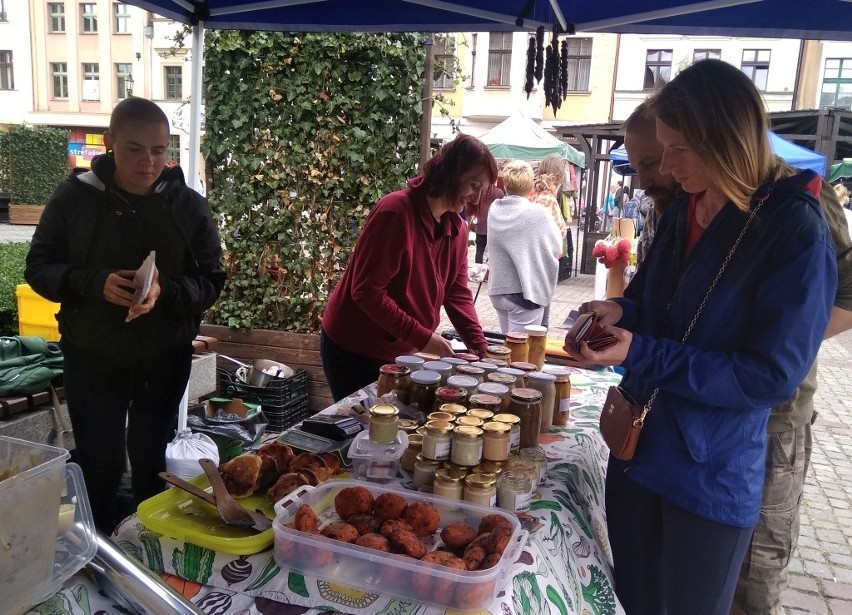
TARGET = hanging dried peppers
(539,53)
(531,51)
(563,67)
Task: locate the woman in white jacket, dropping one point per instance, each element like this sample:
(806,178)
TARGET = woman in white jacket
(523,252)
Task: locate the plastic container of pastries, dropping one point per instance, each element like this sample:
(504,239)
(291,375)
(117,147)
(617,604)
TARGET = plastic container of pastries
(390,573)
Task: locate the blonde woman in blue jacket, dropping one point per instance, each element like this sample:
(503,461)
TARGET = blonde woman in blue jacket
(680,514)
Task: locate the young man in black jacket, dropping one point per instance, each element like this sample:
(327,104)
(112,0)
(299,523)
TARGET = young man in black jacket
(126,359)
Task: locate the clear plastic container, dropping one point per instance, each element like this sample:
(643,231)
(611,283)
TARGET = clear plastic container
(386,573)
(377,462)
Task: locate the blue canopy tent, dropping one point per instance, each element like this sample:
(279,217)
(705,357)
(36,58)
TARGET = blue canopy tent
(794,155)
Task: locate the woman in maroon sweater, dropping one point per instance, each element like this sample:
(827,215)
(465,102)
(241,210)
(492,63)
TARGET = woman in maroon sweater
(410,259)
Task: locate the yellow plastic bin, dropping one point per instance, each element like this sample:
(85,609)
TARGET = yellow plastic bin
(36,315)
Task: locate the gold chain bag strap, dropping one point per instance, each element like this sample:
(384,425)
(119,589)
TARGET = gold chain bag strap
(622,418)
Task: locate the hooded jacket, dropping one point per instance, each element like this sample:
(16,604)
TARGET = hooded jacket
(90,228)
(704,442)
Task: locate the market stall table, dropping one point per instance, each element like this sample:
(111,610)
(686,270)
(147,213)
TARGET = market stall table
(563,569)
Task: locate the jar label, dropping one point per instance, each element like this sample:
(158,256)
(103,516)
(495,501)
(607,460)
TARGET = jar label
(515,439)
(492,501)
(564,404)
(442,450)
(523,501)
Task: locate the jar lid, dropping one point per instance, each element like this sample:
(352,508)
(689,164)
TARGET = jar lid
(384,411)
(493,388)
(454,361)
(495,362)
(535,376)
(409,359)
(507,418)
(469,421)
(394,370)
(524,366)
(560,371)
(516,337)
(462,382)
(427,356)
(535,330)
(408,425)
(500,350)
(446,475)
(484,399)
(470,369)
(430,462)
(497,427)
(480,480)
(490,467)
(425,376)
(441,416)
(440,427)
(516,478)
(499,377)
(469,357)
(484,365)
(511,371)
(526,395)
(453,409)
(481,413)
(467,431)
(437,366)
(451,393)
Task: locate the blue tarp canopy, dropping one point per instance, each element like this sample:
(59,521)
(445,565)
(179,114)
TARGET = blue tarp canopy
(794,155)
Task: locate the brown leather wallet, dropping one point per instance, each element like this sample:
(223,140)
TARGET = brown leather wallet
(588,329)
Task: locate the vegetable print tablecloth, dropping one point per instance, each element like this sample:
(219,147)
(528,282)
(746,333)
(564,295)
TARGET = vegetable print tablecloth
(563,569)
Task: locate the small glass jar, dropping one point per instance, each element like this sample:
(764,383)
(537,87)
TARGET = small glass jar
(518,345)
(481,413)
(524,366)
(469,421)
(427,356)
(484,400)
(495,441)
(467,446)
(473,371)
(442,367)
(507,380)
(536,455)
(514,491)
(440,415)
(562,398)
(526,403)
(424,383)
(501,353)
(393,377)
(537,342)
(410,361)
(500,391)
(486,366)
(517,374)
(449,395)
(546,384)
(470,357)
(409,455)
(454,410)
(424,472)
(437,438)
(448,484)
(384,423)
(480,489)
(460,381)
(514,422)
(495,468)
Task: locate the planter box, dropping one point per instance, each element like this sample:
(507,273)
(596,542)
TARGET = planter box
(25,214)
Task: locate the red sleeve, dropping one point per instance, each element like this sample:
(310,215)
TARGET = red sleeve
(459,304)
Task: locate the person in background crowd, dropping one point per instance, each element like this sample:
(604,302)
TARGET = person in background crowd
(524,248)
(489,195)
(409,260)
(547,187)
(843,198)
(681,513)
(609,209)
(125,355)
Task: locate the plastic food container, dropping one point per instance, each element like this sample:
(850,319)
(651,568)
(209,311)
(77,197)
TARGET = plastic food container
(387,573)
(378,463)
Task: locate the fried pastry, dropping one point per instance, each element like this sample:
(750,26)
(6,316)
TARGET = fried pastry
(280,452)
(285,484)
(240,474)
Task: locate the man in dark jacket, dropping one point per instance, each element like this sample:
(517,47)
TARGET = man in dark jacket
(126,358)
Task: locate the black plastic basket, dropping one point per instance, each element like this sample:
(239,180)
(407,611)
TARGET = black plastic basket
(284,401)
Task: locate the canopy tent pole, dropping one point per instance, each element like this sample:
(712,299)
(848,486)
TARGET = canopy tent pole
(193,179)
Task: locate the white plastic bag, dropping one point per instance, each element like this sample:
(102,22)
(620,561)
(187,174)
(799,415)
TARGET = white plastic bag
(183,453)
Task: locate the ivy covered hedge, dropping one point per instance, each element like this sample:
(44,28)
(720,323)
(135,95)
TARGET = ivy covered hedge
(33,160)
(304,132)
(12,263)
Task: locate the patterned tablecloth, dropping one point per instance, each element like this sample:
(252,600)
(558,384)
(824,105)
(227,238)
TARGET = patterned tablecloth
(563,569)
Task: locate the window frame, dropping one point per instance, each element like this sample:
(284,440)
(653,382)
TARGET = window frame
(575,61)
(57,18)
(7,70)
(708,54)
(837,82)
(120,19)
(446,62)
(88,18)
(90,71)
(121,78)
(756,65)
(169,72)
(654,66)
(59,80)
(173,150)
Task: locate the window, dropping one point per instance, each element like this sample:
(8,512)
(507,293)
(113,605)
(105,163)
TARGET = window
(174,148)
(658,68)
(56,11)
(91,82)
(837,83)
(59,72)
(579,64)
(756,66)
(7,75)
(445,62)
(706,54)
(174,83)
(499,58)
(121,18)
(122,72)
(89,18)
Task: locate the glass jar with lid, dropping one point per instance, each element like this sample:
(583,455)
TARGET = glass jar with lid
(440,415)
(537,342)
(514,491)
(484,400)
(424,472)
(526,467)
(495,468)
(393,377)
(517,374)
(496,362)
(448,484)
(524,366)
(466,449)
(455,362)
(536,455)
(507,380)
(427,356)
(460,381)
(518,345)
(526,404)
(514,423)
(501,353)
(495,441)
(469,421)
(501,391)
(409,455)
(473,371)
(562,401)
(454,410)
(424,383)
(546,384)
(384,423)
(468,356)
(480,413)
(437,437)
(480,489)
(449,395)
(442,367)
(485,365)
(410,361)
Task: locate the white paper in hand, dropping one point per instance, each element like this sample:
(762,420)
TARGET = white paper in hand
(144,277)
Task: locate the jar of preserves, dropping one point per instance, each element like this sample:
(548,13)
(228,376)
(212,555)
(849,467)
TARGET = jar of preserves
(449,395)
(473,371)
(409,455)
(442,367)
(448,484)
(518,345)
(441,416)
(436,440)
(424,472)
(384,423)
(393,377)
(486,366)
(562,401)
(469,421)
(526,404)
(424,383)
(454,410)
(537,342)
(524,366)
(480,489)
(460,381)
(501,353)
(514,423)
(495,441)
(466,449)
(480,413)
(546,384)
(507,380)
(536,455)
(484,400)
(410,361)
(517,374)
(514,491)
(500,391)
